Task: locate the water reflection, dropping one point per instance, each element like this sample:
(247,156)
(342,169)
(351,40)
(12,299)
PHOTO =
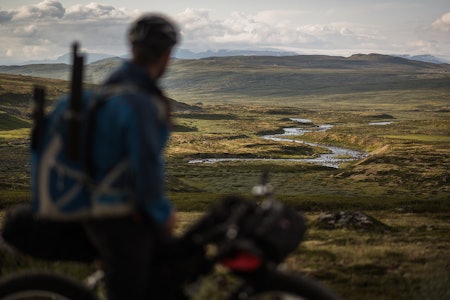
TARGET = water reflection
(334,157)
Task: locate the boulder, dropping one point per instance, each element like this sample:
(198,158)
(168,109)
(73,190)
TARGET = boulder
(349,220)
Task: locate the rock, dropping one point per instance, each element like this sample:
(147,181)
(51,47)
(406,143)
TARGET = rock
(350,220)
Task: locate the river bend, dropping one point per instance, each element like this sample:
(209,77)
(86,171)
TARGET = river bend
(335,157)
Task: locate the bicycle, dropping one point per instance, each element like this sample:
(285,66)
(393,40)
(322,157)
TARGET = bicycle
(250,239)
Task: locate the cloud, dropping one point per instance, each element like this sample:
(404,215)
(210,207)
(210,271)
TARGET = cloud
(45,9)
(5,16)
(46,29)
(9,52)
(443,23)
(274,29)
(34,50)
(95,11)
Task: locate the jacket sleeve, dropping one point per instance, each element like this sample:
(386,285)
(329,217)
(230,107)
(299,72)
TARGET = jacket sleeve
(146,142)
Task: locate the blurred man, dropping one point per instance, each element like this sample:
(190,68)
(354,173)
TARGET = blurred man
(131,130)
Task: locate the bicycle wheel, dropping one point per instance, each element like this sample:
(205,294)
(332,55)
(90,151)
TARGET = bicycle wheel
(41,285)
(284,286)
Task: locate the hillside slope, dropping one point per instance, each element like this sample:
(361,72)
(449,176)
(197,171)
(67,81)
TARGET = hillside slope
(16,93)
(303,75)
(259,77)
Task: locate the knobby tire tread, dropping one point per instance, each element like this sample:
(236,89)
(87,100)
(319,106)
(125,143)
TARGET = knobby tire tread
(43,281)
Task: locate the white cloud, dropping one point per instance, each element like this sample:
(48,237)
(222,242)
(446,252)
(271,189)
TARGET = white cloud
(45,9)
(274,29)
(9,52)
(26,32)
(95,11)
(279,17)
(443,23)
(46,30)
(31,51)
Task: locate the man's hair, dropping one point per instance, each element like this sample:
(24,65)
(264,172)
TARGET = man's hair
(150,36)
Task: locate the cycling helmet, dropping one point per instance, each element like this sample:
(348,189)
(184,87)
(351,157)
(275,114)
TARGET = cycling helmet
(152,34)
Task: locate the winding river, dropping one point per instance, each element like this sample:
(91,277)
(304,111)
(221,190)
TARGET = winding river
(335,157)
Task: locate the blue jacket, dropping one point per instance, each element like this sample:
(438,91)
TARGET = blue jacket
(121,167)
(134,126)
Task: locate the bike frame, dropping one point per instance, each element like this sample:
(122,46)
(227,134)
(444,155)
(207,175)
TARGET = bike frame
(229,235)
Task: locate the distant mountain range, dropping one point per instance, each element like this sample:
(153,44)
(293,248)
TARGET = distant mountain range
(67,59)
(425,58)
(179,53)
(200,71)
(189,54)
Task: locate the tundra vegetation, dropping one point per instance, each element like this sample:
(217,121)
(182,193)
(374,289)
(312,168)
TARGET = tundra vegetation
(396,111)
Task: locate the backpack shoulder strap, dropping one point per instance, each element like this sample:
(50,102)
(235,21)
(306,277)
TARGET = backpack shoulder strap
(96,102)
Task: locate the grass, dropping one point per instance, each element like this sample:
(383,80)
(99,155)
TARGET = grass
(407,257)
(404,182)
(9,122)
(408,262)
(421,138)
(21,133)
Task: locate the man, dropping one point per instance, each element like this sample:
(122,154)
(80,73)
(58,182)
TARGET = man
(128,215)
(132,126)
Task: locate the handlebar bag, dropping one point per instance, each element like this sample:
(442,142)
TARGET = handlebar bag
(274,228)
(277,230)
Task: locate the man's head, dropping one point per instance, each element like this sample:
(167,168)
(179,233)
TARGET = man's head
(151,38)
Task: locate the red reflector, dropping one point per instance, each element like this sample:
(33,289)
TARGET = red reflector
(242,261)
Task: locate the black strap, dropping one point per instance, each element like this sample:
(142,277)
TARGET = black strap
(38,117)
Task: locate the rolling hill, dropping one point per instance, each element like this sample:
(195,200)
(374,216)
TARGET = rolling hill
(262,78)
(16,94)
(295,76)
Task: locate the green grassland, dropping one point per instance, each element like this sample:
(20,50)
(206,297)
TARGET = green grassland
(404,182)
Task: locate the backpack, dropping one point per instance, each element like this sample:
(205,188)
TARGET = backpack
(61,176)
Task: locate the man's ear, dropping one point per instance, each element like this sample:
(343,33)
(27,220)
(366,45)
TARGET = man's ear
(166,57)
(163,62)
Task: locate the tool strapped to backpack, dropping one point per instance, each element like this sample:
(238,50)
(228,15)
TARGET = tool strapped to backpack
(75,106)
(63,187)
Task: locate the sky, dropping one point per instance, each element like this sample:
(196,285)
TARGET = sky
(45,29)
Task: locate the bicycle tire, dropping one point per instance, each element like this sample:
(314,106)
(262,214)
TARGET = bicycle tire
(42,285)
(280,285)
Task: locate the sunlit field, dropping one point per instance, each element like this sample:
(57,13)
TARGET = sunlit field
(403,181)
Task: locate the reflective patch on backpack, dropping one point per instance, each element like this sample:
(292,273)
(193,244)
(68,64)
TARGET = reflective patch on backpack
(61,188)
(65,192)
(64,189)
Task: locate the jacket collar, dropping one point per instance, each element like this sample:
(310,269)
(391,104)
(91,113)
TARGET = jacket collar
(135,74)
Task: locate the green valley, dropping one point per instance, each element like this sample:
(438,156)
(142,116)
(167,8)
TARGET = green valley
(398,111)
